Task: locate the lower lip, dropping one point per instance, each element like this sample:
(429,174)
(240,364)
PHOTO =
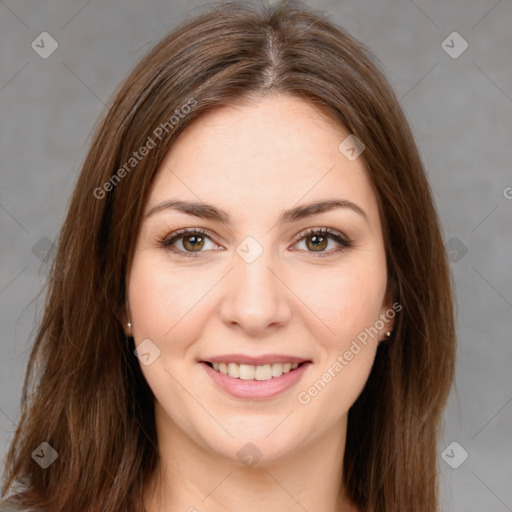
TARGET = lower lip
(256,389)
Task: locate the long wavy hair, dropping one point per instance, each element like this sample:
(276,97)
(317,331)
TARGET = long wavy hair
(84,392)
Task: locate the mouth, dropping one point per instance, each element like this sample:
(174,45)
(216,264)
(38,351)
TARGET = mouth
(254,372)
(255,382)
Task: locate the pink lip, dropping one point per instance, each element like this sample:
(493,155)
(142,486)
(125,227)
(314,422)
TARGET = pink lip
(256,389)
(252,360)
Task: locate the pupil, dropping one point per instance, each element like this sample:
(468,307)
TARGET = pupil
(193,241)
(318,241)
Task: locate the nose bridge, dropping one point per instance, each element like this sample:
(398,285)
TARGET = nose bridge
(257,298)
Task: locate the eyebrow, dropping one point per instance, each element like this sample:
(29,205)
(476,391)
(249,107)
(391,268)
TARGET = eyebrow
(208,211)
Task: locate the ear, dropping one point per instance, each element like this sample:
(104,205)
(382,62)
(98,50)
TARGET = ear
(390,309)
(126,313)
(124,317)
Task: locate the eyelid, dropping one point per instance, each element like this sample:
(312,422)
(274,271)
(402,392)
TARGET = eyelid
(321,229)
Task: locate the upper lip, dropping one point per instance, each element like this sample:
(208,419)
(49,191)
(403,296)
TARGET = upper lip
(254,360)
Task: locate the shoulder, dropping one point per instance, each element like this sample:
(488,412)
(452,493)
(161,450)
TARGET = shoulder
(14,503)
(5,507)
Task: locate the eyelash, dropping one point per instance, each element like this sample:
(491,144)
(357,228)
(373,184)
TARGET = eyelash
(334,235)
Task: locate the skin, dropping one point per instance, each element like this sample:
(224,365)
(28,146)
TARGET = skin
(254,162)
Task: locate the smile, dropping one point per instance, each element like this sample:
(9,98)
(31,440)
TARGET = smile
(255,382)
(251,372)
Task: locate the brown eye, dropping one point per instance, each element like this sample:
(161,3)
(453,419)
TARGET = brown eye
(317,240)
(193,242)
(317,243)
(187,242)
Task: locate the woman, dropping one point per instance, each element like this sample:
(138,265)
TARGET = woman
(250,307)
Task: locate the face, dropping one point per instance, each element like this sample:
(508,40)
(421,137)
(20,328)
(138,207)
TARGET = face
(257,289)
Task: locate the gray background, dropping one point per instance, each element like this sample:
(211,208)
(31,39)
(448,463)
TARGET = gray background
(461,112)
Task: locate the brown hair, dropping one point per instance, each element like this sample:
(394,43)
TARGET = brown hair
(84,392)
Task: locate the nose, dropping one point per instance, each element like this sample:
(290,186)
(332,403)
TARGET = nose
(256,299)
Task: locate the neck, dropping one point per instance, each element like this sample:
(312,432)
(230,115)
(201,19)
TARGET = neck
(190,477)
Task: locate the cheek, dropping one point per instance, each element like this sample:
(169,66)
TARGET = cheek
(348,309)
(342,303)
(163,302)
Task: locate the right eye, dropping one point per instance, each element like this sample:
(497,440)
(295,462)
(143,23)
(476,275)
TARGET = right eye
(192,241)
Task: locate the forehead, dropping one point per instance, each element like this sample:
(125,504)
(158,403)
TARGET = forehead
(279,150)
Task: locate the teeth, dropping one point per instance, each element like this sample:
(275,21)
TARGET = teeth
(233,370)
(250,372)
(263,372)
(246,371)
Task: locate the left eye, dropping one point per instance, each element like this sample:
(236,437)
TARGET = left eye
(316,239)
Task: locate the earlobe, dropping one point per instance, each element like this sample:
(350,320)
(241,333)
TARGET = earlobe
(126,321)
(388,334)
(388,320)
